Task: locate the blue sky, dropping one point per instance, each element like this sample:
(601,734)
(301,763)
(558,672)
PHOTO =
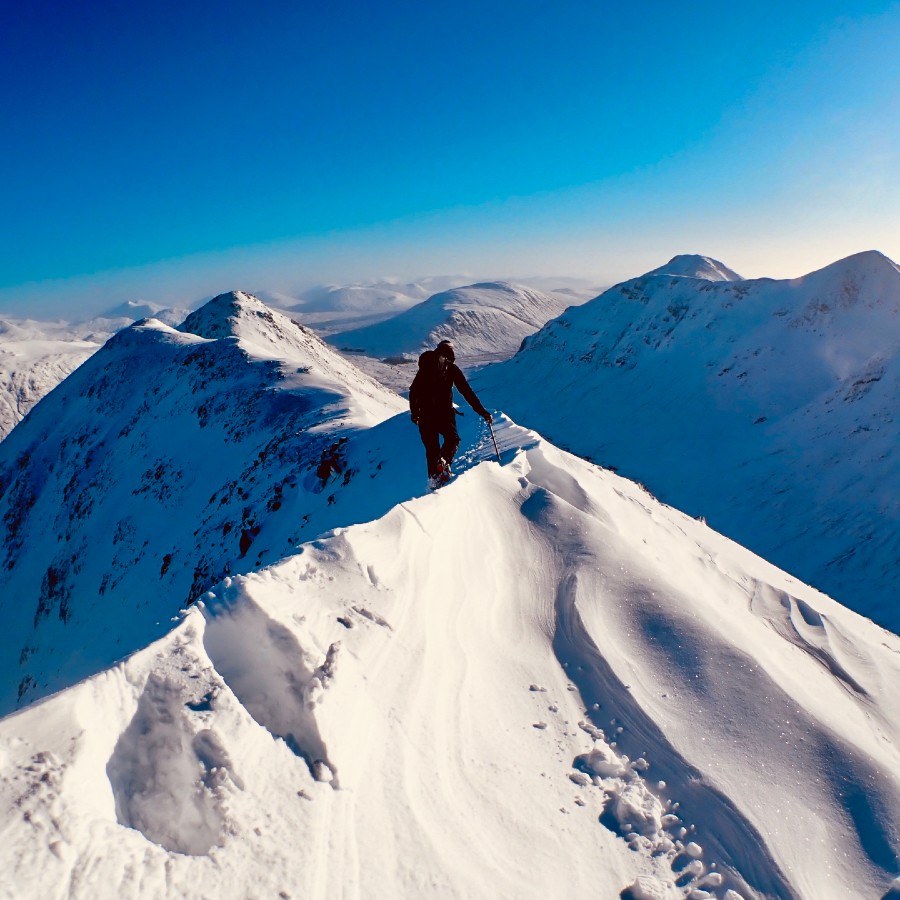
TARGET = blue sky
(168,151)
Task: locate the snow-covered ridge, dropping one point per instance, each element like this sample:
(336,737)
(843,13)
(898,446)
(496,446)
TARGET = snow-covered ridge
(166,461)
(480,319)
(767,406)
(537,665)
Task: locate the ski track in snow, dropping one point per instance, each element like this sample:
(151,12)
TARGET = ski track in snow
(362,718)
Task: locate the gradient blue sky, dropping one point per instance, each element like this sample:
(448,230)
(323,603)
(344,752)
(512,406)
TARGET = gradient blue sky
(168,151)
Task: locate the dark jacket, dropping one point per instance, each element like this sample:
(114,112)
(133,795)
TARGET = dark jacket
(431,393)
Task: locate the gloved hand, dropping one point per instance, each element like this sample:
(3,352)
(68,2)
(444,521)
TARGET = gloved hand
(487,417)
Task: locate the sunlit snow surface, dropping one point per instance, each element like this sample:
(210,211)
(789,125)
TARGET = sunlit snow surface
(536,682)
(501,689)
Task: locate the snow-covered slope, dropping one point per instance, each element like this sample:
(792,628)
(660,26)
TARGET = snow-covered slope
(168,459)
(769,407)
(537,682)
(34,358)
(36,355)
(480,319)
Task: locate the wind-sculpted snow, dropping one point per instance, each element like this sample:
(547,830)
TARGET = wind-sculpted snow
(168,460)
(769,407)
(482,320)
(538,681)
(279,689)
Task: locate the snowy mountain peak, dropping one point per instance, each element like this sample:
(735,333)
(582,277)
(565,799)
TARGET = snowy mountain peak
(492,286)
(692,265)
(224,315)
(489,318)
(133,309)
(759,388)
(864,265)
(263,332)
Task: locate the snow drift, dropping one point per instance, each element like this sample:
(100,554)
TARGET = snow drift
(770,407)
(481,319)
(536,682)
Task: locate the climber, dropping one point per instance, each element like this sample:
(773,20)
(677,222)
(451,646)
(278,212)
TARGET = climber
(431,406)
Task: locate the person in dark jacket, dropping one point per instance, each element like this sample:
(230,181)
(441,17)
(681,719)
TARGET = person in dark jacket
(431,406)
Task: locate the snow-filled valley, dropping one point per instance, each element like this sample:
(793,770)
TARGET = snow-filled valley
(36,355)
(284,669)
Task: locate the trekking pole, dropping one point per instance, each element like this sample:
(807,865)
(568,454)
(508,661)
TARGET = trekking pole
(496,450)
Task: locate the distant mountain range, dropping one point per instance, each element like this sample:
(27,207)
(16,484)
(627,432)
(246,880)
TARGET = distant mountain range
(36,355)
(335,307)
(482,320)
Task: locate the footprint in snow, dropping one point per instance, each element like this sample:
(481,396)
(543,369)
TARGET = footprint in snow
(168,782)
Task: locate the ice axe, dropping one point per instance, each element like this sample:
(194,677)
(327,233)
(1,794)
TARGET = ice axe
(496,450)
